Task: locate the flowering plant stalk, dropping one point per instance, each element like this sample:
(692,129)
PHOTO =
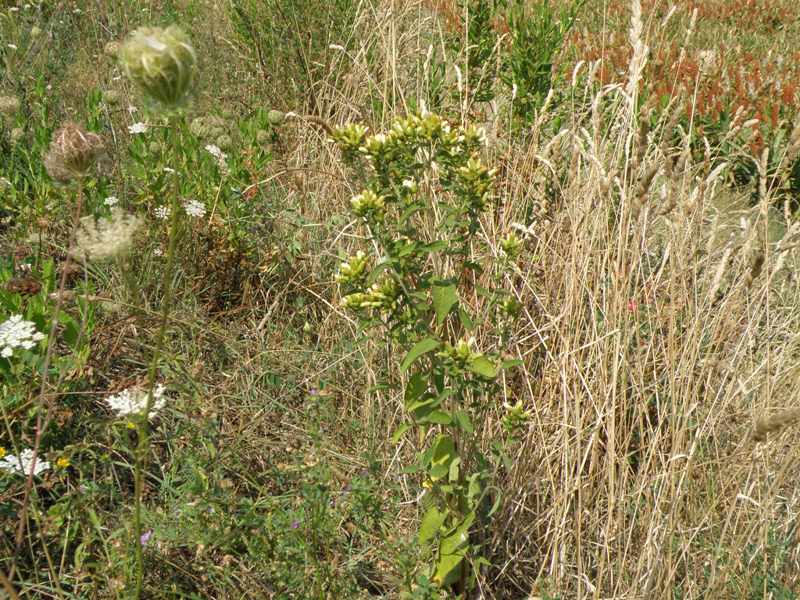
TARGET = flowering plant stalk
(176,122)
(70,156)
(425,192)
(162,63)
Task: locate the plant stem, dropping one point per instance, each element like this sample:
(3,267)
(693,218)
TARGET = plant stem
(43,422)
(143,423)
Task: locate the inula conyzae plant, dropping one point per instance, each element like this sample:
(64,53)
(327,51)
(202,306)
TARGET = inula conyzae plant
(425,190)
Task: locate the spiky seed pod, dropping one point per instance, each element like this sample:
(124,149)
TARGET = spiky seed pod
(161,62)
(72,152)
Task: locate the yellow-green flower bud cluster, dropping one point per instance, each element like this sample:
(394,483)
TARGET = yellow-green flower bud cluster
(474,136)
(368,205)
(516,417)
(511,245)
(353,270)
(350,137)
(460,355)
(382,295)
(511,307)
(408,134)
(477,181)
(161,62)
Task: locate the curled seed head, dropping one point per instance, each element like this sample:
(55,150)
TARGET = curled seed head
(276,117)
(161,62)
(72,152)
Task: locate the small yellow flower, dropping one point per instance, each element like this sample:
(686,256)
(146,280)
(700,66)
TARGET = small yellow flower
(2,452)
(62,462)
(130,425)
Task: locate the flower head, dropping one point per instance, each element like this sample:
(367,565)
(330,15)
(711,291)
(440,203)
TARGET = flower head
(215,151)
(162,212)
(353,270)
(105,237)
(111,201)
(194,208)
(367,204)
(219,155)
(276,117)
(72,152)
(18,333)
(22,464)
(137,128)
(133,401)
(161,62)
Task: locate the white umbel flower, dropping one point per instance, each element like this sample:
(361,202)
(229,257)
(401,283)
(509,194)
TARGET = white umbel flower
(133,401)
(162,212)
(111,201)
(194,208)
(105,237)
(137,128)
(18,333)
(22,463)
(216,152)
(220,157)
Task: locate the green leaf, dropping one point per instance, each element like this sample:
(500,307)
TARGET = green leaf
(444,296)
(443,453)
(459,537)
(510,364)
(446,567)
(463,421)
(420,348)
(435,246)
(484,367)
(431,523)
(409,212)
(406,250)
(417,385)
(422,408)
(466,320)
(497,502)
(437,416)
(454,469)
(398,433)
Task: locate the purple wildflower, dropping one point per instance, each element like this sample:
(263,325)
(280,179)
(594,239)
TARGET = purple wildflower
(145,537)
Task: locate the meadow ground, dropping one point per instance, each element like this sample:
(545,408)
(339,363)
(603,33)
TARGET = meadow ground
(616,350)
